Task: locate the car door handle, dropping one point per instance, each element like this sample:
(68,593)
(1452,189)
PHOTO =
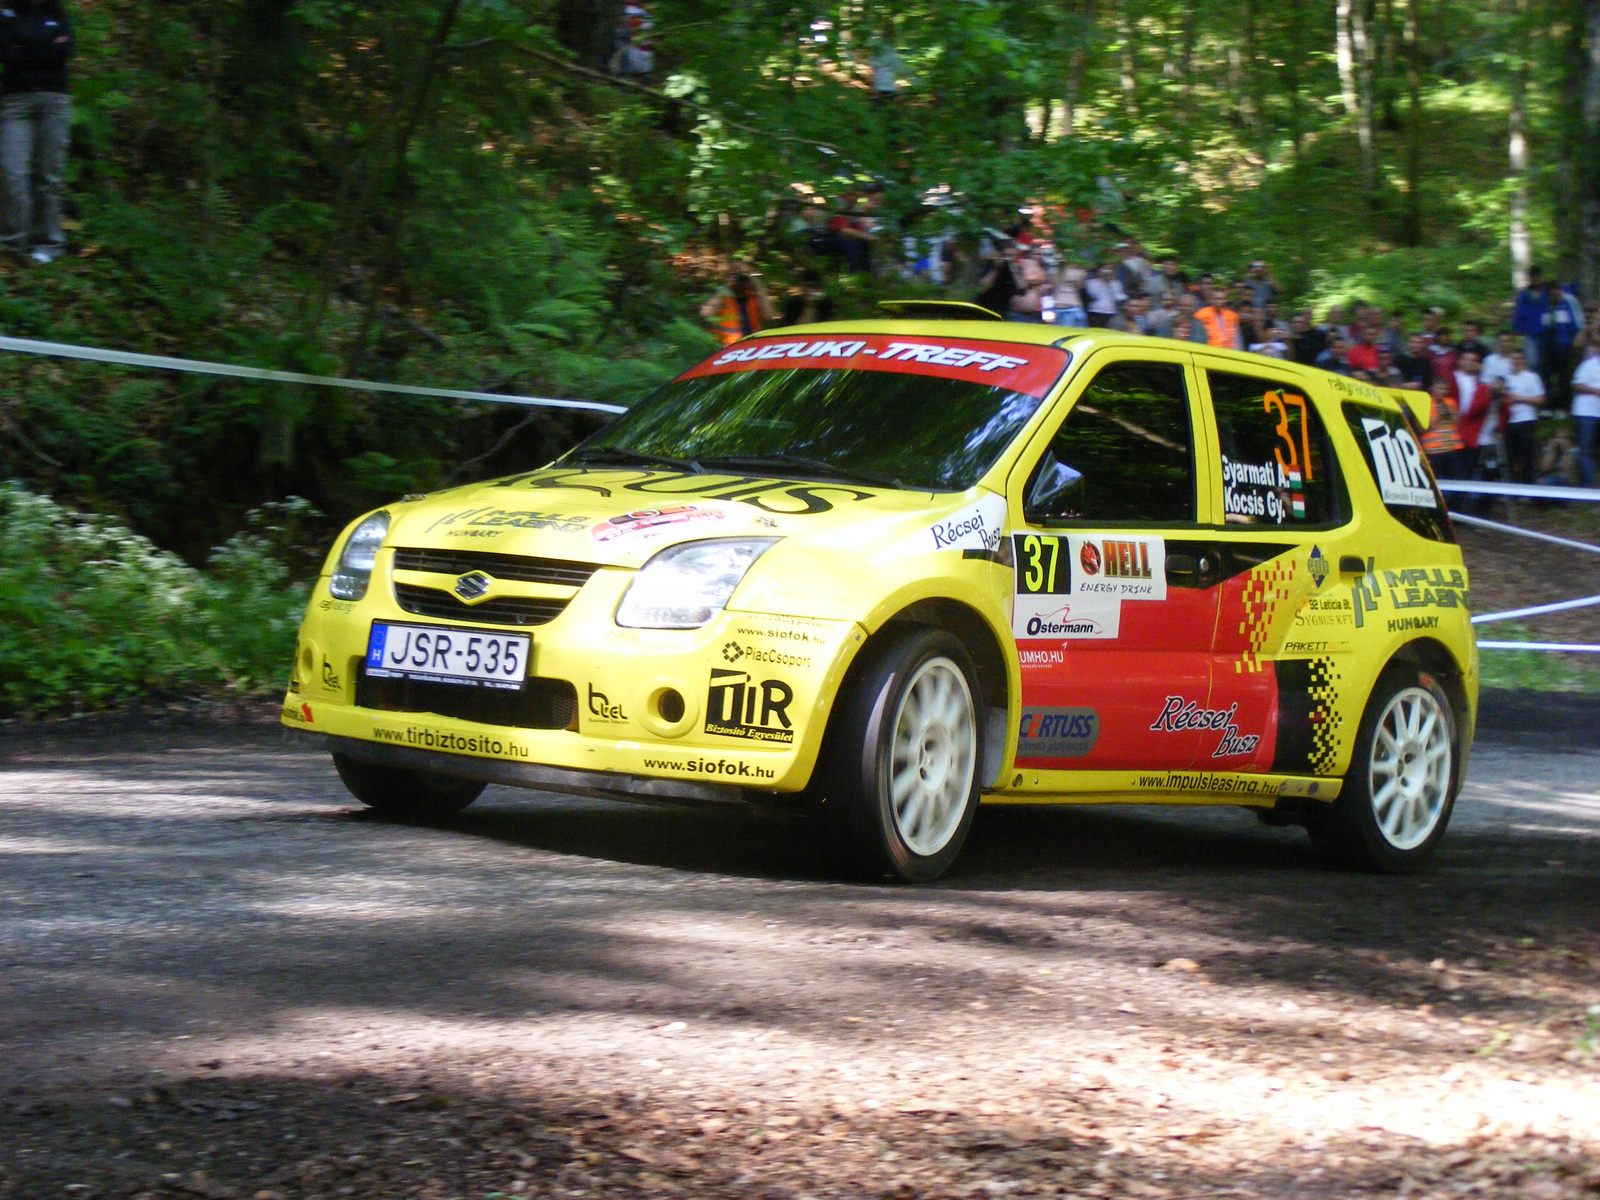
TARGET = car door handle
(1350,564)
(1182,564)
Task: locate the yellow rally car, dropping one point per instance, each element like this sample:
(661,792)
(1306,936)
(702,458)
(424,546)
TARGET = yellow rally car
(890,569)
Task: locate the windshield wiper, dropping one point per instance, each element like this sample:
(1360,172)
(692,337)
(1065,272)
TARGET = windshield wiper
(615,454)
(797,463)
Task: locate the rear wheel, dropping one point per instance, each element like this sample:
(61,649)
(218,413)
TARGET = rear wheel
(1398,795)
(402,792)
(905,758)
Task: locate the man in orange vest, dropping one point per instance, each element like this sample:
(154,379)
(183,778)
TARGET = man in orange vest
(739,307)
(1219,321)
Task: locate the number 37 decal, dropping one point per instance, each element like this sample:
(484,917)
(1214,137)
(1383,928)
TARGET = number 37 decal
(1299,460)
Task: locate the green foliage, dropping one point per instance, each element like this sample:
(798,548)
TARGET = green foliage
(93,616)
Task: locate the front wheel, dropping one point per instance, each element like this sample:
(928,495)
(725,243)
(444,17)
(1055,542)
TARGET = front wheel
(401,792)
(906,758)
(1398,795)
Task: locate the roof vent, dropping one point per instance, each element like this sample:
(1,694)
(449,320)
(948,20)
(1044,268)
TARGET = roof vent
(938,310)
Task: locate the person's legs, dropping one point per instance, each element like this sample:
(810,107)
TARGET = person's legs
(54,126)
(1521,449)
(16,165)
(1587,428)
(1099,320)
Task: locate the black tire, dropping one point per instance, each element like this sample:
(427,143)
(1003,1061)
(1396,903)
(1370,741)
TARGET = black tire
(918,837)
(401,792)
(1403,778)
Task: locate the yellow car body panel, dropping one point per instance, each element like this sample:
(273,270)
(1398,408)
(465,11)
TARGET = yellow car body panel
(1226,658)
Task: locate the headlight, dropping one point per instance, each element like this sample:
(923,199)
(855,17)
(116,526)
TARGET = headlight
(360,552)
(684,586)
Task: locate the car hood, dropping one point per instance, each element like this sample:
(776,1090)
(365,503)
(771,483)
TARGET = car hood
(622,516)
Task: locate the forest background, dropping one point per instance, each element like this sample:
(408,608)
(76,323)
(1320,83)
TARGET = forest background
(454,193)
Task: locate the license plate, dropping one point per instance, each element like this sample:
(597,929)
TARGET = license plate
(436,655)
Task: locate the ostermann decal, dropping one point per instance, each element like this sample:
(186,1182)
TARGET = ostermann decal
(1061,618)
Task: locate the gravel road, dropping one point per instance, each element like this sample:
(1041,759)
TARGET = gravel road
(222,978)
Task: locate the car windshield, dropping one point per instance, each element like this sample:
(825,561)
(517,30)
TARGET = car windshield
(889,421)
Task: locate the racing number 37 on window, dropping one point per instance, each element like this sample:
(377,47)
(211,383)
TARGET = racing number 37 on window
(1274,457)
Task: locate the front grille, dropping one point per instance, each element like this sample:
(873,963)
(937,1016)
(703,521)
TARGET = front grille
(507,610)
(511,567)
(541,704)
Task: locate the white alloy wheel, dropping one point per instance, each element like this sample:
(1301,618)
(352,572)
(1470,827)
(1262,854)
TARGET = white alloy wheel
(1410,767)
(935,752)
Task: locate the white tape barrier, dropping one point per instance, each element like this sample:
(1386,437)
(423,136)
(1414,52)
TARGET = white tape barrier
(1527,533)
(1536,610)
(1561,646)
(197,367)
(1533,491)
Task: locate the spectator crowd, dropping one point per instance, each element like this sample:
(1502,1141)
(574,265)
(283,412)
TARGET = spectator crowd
(1518,403)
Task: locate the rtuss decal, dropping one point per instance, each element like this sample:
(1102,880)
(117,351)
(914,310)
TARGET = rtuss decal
(769,495)
(739,706)
(1057,732)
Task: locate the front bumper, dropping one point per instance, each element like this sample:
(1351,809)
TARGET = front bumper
(756,691)
(610,785)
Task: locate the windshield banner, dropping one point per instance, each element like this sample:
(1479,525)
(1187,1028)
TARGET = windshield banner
(1030,370)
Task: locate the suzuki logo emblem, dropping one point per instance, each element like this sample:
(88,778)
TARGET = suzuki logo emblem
(473,586)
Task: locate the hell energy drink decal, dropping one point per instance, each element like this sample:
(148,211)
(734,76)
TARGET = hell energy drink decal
(737,705)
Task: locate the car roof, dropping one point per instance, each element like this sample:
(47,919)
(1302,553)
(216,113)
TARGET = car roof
(1080,342)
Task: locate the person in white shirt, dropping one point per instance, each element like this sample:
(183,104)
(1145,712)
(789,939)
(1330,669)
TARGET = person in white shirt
(1523,390)
(1497,366)
(1586,411)
(1485,448)
(1103,296)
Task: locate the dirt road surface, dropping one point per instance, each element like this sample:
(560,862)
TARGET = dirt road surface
(221,978)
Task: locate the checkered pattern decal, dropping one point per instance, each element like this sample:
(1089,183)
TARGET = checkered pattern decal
(1326,720)
(1265,593)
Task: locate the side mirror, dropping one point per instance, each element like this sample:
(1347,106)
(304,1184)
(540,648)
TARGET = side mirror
(1051,483)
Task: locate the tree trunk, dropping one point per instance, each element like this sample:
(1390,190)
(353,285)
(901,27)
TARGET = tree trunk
(1388,119)
(1186,64)
(1129,75)
(1250,100)
(1291,79)
(1077,62)
(1411,214)
(1361,44)
(1517,154)
(1588,165)
(1344,57)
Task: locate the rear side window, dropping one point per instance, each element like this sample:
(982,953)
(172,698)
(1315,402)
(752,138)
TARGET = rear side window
(1124,454)
(1277,468)
(1391,445)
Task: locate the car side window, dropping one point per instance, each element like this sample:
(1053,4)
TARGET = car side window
(1124,454)
(1277,467)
